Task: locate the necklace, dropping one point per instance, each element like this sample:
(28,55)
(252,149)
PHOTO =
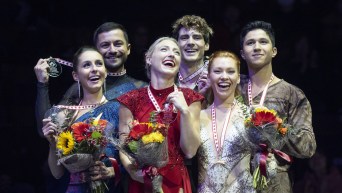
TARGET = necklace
(250,100)
(219,144)
(123,72)
(193,75)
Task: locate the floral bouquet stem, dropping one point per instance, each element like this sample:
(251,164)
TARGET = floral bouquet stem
(259,180)
(157,184)
(98,187)
(152,180)
(260,173)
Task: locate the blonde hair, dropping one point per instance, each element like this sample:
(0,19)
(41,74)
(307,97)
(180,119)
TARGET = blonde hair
(150,51)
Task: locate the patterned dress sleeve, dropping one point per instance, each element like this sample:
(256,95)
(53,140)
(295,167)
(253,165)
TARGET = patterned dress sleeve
(191,96)
(129,99)
(301,139)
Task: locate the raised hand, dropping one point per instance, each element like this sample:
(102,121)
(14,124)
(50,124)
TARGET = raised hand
(41,70)
(178,100)
(203,83)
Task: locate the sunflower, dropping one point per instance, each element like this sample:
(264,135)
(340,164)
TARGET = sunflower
(65,142)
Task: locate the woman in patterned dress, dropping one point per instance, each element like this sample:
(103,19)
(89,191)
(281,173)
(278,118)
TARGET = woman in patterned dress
(225,152)
(89,70)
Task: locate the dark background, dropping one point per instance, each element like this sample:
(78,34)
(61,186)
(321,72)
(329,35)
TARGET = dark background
(308,38)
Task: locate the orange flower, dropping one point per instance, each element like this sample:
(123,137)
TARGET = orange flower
(279,122)
(102,123)
(282,130)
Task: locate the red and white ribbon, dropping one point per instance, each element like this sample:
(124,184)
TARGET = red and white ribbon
(70,64)
(250,100)
(218,144)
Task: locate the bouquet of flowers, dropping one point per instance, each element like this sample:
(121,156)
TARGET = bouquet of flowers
(81,144)
(268,131)
(147,144)
(147,147)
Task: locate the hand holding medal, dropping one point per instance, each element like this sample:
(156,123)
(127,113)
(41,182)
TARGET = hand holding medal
(49,67)
(55,68)
(169,113)
(177,99)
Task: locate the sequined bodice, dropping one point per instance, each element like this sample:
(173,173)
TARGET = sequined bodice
(232,167)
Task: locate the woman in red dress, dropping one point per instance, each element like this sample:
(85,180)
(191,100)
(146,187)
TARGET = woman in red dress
(162,64)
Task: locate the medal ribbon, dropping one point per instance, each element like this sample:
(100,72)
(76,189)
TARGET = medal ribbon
(66,63)
(154,101)
(81,107)
(263,92)
(197,72)
(218,144)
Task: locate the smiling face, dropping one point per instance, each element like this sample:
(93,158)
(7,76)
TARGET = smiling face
(164,59)
(90,71)
(192,45)
(224,76)
(257,49)
(114,49)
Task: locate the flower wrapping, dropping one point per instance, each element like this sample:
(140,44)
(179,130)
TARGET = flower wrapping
(81,144)
(269,133)
(147,147)
(146,144)
(77,162)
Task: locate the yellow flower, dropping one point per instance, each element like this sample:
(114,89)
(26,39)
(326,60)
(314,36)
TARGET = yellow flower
(265,109)
(248,121)
(96,121)
(260,109)
(65,142)
(153,137)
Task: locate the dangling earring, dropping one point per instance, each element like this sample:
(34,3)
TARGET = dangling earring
(104,87)
(79,89)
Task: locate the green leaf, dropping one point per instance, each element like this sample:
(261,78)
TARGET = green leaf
(96,135)
(133,146)
(259,180)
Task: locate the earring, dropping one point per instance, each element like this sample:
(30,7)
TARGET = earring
(104,87)
(79,89)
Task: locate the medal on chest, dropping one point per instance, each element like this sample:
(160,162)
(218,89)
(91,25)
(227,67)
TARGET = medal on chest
(218,171)
(168,114)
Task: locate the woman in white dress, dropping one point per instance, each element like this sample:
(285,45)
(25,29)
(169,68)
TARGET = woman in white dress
(225,152)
